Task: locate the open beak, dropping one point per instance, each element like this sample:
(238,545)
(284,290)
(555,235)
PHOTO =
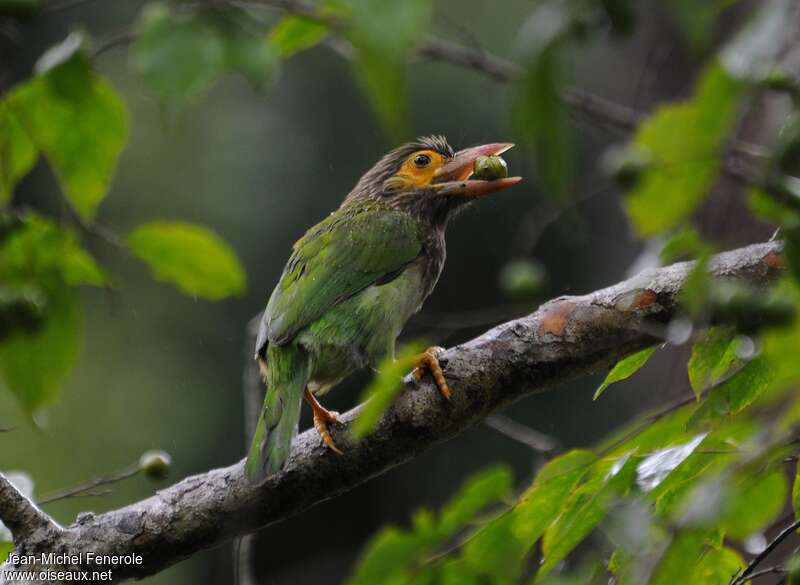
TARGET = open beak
(453,178)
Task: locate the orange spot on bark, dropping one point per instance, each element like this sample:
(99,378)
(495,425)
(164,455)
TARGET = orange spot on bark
(644,299)
(774,260)
(555,319)
(635,299)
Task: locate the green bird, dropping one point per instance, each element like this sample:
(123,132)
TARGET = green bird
(352,282)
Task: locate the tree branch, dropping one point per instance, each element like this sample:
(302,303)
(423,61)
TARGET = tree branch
(26,522)
(564,339)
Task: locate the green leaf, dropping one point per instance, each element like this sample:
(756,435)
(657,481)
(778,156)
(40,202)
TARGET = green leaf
(684,141)
(696,20)
(796,492)
(484,488)
(735,394)
(753,503)
(34,364)
(714,356)
(190,256)
(584,509)
(717,566)
(294,34)
(178,56)
(679,562)
(540,114)
(79,122)
(498,549)
(738,505)
(393,552)
(383,35)
(39,248)
(383,388)
(543,121)
(249,54)
(17,153)
(625,368)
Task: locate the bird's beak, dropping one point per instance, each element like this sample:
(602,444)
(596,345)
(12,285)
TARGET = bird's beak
(453,178)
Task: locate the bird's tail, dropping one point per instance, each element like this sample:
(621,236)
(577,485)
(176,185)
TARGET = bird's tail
(286,377)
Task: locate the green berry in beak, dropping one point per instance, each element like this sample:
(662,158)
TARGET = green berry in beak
(489,168)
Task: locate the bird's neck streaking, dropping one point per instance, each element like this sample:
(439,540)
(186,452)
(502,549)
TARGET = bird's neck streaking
(429,208)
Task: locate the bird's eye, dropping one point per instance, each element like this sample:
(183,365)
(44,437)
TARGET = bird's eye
(422,160)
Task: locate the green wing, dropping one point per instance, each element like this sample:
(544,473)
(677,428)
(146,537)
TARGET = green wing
(339,257)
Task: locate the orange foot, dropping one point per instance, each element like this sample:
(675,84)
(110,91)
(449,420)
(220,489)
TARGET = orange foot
(429,361)
(322,418)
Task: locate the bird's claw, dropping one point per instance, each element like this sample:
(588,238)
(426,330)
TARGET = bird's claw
(428,361)
(323,418)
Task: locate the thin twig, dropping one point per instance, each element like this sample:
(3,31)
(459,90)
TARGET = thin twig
(529,437)
(768,571)
(751,566)
(89,486)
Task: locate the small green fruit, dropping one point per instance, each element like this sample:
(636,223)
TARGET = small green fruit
(489,168)
(155,464)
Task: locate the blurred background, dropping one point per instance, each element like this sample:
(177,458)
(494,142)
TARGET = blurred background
(159,370)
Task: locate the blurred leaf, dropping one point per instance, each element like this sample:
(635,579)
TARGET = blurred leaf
(384,387)
(294,34)
(248,53)
(685,141)
(39,248)
(766,207)
(696,288)
(543,121)
(34,364)
(656,467)
(753,503)
(393,552)
(495,554)
(685,243)
(796,492)
(735,394)
(696,20)
(17,153)
(584,509)
(79,122)
(717,566)
(682,561)
(779,342)
(497,550)
(714,356)
(178,56)
(189,256)
(383,34)
(625,368)
(484,488)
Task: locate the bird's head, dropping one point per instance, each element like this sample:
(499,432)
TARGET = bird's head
(427,176)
